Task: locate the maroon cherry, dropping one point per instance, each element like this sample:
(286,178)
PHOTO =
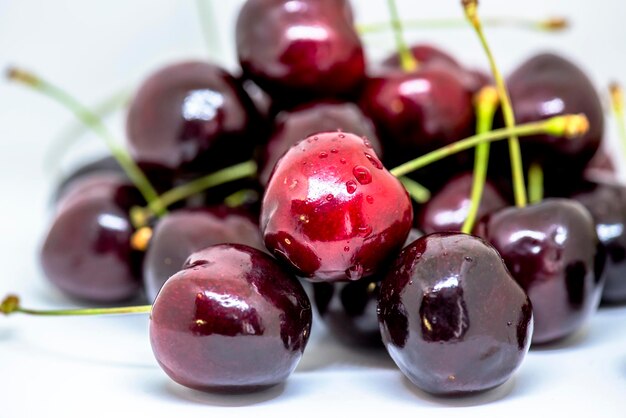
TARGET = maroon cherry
(447,210)
(349,309)
(87,252)
(184,232)
(291,127)
(298,50)
(332,211)
(191,117)
(99,166)
(231,320)
(419,111)
(548,85)
(452,317)
(607,204)
(550,249)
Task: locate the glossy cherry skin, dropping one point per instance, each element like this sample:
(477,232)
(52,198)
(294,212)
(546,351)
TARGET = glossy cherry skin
(416,112)
(447,210)
(332,211)
(349,309)
(86,252)
(191,117)
(550,249)
(547,85)
(231,320)
(292,126)
(430,55)
(186,231)
(452,317)
(300,50)
(607,204)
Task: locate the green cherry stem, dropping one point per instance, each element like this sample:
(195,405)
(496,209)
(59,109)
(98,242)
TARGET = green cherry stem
(569,126)
(418,193)
(617,104)
(407,60)
(11,305)
(239,171)
(515,153)
(486,104)
(551,24)
(70,134)
(90,119)
(535,183)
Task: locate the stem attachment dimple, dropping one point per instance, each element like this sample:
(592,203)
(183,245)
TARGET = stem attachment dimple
(407,60)
(486,104)
(515,152)
(92,120)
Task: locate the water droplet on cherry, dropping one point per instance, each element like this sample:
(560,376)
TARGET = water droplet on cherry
(362,174)
(355,272)
(351,186)
(323,154)
(329,197)
(374,161)
(369,199)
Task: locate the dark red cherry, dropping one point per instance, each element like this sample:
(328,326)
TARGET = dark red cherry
(452,317)
(298,50)
(231,320)
(547,85)
(416,112)
(99,166)
(607,204)
(349,309)
(291,127)
(332,211)
(447,210)
(191,117)
(550,249)
(87,252)
(186,231)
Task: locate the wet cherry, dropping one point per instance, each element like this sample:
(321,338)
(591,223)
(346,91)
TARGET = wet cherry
(231,320)
(332,211)
(452,317)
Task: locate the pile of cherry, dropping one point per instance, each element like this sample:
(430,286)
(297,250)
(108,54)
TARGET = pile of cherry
(456,312)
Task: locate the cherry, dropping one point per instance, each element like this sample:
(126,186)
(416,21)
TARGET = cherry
(332,211)
(87,252)
(547,85)
(349,309)
(447,210)
(452,317)
(417,111)
(550,249)
(101,165)
(430,55)
(607,204)
(185,231)
(191,117)
(232,320)
(299,50)
(291,127)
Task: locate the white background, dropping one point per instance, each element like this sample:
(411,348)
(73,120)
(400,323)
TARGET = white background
(104,366)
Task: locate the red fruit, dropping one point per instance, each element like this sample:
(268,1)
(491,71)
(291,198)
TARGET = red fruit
(332,211)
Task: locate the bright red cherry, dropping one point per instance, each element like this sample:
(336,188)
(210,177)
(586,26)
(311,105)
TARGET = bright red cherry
(231,320)
(297,50)
(332,211)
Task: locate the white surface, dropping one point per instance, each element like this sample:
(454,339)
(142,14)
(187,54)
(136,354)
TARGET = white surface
(104,367)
